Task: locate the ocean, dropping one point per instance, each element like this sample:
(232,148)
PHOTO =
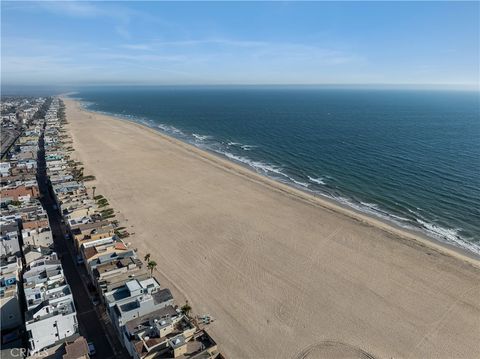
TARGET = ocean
(411,157)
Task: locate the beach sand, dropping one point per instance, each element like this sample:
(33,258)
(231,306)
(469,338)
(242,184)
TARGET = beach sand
(285,275)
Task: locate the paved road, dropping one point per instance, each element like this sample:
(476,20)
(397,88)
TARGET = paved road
(90,325)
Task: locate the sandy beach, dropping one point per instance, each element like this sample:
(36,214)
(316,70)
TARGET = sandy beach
(285,274)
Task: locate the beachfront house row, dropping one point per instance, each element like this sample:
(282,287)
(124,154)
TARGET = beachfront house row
(91,231)
(114,274)
(163,335)
(79,213)
(135,299)
(149,335)
(101,251)
(65,189)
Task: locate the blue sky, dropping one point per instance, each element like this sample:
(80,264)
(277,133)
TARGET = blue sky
(71,43)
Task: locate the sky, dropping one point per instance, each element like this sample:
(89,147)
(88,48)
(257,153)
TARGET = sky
(202,43)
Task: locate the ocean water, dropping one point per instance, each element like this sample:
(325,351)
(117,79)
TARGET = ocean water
(407,156)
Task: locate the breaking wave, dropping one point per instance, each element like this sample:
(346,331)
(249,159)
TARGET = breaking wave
(200,137)
(241,145)
(318,180)
(413,219)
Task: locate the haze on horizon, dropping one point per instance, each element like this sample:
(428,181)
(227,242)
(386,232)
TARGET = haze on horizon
(218,43)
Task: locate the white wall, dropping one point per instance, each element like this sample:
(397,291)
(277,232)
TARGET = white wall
(9,245)
(34,238)
(45,334)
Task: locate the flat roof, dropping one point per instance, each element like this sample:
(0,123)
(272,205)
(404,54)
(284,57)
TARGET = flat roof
(162,296)
(133,285)
(167,312)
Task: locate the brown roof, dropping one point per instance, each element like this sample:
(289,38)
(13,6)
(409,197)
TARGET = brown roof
(89,252)
(43,223)
(20,191)
(93,225)
(19,177)
(77,349)
(139,347)
(168,311)
(120,245)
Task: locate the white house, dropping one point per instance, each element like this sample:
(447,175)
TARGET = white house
(52,321)
(9,241)
(136,299)
(5,168)
(37,237)
(51,316)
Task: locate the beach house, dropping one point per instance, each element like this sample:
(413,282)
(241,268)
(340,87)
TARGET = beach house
(114,274)
(91,231)
(102,251)
(135,299)
(151,335)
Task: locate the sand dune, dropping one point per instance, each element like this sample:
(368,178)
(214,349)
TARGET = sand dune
(285,275)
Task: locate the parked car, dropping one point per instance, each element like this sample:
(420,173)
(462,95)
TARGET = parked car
(79,259)
(91,349)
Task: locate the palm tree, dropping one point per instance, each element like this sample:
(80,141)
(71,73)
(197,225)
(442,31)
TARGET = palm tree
(186,309)
(94,188)
(151,265)
(147,257)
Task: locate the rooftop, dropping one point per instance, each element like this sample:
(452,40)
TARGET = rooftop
(133,286)
(162,296)
(76,349)
(47,309)
(143,322)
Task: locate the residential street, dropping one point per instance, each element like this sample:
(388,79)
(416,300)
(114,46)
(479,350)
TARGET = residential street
(90,325)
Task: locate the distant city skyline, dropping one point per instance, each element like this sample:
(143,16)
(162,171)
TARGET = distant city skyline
(221,43)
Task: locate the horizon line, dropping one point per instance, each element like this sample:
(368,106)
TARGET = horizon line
(137,84)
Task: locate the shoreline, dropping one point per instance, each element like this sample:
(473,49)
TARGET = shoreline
(283,273)
(415,234)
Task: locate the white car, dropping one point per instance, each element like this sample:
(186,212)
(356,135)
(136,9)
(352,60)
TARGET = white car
(91,349)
